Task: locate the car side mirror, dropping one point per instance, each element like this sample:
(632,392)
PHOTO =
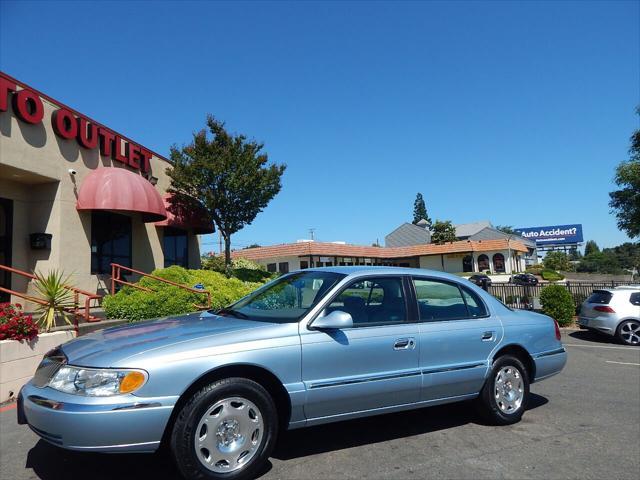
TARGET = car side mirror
(334,321)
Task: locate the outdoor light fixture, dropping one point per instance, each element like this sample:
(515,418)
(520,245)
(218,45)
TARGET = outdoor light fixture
(40,241)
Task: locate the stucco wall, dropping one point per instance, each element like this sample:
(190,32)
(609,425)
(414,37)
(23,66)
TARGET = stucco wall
(453,262)
(34,173)
(294,262)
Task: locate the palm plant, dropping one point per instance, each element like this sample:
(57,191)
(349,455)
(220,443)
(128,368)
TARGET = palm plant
(53,288)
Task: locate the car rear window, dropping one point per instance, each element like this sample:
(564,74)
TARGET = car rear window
(600,296)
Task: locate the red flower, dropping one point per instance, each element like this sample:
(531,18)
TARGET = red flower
(15,325)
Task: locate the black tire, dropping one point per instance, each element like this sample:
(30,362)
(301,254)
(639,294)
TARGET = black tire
(489,406)
(183,440)
(628,332)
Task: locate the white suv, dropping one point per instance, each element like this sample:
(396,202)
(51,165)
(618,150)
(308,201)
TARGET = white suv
(615,312)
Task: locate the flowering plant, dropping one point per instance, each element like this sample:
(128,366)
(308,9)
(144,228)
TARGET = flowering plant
(14,324)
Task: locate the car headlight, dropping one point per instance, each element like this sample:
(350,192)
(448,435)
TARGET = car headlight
(93,382)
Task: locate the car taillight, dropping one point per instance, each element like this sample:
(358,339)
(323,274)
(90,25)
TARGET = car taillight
(604,308)
(557,330)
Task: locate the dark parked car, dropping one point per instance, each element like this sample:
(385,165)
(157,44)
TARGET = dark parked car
(479,279)
(524,279)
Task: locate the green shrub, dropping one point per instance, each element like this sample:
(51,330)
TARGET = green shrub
(578,300)
(535,269)
(165,299)
(557,302)
(215,263)
(551,275)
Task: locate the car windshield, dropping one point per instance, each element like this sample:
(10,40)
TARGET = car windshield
(286,299)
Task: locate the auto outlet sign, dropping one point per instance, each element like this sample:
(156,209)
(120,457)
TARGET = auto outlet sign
(553,235)
(69,125)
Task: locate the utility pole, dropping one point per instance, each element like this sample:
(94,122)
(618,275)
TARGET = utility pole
(220,242)
(312,232)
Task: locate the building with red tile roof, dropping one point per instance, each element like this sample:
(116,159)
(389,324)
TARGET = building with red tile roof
(497,255)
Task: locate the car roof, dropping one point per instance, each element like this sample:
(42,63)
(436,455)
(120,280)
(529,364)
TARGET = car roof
(361,270)
(622,288)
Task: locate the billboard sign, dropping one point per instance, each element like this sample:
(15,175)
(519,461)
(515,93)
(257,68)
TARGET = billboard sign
(553,235)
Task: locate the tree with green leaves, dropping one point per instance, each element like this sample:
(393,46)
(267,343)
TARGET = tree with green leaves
(228,175)
(591,247)
(443,232)
(600,262)
(627,255)
(508,229)
(625,202)
(420,211)
(574,254)
(556,260)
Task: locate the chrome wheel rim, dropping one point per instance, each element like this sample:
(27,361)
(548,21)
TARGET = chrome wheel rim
(630,332)
(229,435)
(509,389)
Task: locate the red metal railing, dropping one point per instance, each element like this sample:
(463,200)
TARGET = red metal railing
(77,311)
(116,278)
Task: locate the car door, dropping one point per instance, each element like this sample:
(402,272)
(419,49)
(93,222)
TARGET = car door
(457,336)
(370,366)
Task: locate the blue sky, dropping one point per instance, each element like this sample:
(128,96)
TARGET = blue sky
(517,112)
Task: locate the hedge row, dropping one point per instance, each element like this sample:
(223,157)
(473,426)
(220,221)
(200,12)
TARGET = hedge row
(165,299)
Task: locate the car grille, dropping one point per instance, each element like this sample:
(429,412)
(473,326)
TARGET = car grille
(48,367)
(45,372)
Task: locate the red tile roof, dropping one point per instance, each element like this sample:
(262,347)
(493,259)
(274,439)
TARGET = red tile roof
(345,250)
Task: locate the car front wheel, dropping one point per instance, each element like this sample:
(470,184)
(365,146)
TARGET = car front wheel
(226,430)
(629,332)
(504,397)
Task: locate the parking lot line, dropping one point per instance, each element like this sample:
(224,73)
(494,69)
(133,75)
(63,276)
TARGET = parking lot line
(623,363)
(600,346)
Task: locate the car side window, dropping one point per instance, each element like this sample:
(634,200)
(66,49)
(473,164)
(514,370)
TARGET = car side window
(439,301)
(372,302)
(635,299)
(474,305)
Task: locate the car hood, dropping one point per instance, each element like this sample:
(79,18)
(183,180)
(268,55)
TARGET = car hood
(106,348)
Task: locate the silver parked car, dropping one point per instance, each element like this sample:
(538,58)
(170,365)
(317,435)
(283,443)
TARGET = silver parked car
(615,312)
(312,347)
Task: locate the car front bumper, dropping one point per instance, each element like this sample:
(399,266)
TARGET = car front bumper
(606,325)
(124,423)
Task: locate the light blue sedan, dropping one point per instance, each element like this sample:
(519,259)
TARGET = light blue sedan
(314,346)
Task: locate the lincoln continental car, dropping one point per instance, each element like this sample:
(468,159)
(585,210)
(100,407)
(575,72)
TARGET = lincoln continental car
(311,347)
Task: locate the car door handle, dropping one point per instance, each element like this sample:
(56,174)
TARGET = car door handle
(404,344)
(487,336)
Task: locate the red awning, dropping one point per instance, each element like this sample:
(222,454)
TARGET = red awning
(117,189)
(179,216)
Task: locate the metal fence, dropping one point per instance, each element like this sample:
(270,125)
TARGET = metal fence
(527,296)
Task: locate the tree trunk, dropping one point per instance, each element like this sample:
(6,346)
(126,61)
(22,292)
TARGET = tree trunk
(227,253)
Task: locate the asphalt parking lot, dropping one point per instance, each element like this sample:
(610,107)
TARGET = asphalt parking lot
(583,423)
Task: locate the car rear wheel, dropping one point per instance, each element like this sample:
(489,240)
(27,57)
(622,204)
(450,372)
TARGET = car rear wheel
(226,430)
(629,332)
(505,394)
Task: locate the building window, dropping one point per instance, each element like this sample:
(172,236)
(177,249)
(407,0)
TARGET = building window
(483,263)
(110,241)
(283,267)
(498,263)
(304,264)
(467,263)
(175,247)
(271,267)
